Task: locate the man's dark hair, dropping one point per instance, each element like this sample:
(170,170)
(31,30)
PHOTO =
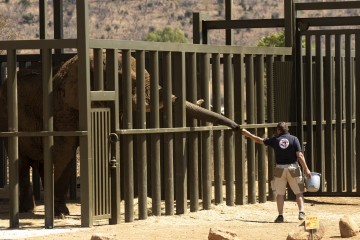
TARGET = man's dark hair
(282,127)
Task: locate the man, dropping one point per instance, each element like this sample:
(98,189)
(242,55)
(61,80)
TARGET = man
(287,170)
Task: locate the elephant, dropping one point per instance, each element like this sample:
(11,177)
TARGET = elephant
(65,118)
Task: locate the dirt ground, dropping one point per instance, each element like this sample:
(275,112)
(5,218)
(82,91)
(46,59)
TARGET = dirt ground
(254,221)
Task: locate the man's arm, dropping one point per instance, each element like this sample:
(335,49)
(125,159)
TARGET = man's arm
(253,137)
(301,159)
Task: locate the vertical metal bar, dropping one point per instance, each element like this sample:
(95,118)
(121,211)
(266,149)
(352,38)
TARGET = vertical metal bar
(349,113)
(260,93)
(328,96)
(205,136)
(197,28)
(270,118)
(250,106)
(48,141)
(155,138)
(357,112)
(141,139)
(193,136)
(180,121)
(3,156)
(94,139)
(289,15)
(228,16)
(217,136)
(319,109)
(43,18)
(168,137)
(13,141)
(86,170)
(309,153)
(113,58)
(339,114)
(128,139)
(98,69)
(229,161)
(299,83)
(58,25)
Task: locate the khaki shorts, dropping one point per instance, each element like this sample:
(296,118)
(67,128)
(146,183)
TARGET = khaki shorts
(288,173)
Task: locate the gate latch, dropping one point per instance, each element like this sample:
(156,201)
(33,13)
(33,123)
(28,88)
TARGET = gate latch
(113,138)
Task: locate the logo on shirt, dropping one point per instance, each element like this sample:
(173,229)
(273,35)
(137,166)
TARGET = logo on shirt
(284,143)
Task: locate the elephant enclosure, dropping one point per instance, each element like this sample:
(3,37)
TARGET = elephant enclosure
(252,221)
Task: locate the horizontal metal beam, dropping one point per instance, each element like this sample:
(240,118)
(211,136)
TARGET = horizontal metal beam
(330,21)
(181,47)
(248,23)
(37,57)
(102,96)
(44,134)
(331,32)
(38,44)
(327,5)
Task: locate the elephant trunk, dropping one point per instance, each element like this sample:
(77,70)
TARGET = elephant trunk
(206,115)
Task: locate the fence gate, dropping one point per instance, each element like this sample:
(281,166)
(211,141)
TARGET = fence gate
(329,70)
(100,129)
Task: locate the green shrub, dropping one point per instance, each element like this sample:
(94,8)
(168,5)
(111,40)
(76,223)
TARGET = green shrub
(167,35)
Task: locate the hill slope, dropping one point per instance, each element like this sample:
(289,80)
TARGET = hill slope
(134,19)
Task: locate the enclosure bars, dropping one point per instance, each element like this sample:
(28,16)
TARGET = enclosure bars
(340,172)
(200,35)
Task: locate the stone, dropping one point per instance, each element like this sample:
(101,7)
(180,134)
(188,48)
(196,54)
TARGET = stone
(220,234)
(101,237)
(348,228)
(301,234)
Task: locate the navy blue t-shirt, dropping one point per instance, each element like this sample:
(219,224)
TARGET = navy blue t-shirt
(285,147)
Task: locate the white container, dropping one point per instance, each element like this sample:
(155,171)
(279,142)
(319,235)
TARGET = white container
(313,184)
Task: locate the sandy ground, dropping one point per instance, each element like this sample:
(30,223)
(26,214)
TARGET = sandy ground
(253,221)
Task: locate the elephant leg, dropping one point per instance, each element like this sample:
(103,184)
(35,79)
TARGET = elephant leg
(62,175)
(26,197)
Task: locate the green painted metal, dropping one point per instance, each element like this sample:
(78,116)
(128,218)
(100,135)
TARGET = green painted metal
(205,136)
(260,93)
(128,140)
(357,113)
(229,158)
(217,135)
(84,113)
(141,157)
(193,137)
(48,125)
(250,112)
(329,113)
(270,117)
(180,157)
(155,138)
(239,109)
(13,142)
(168,137)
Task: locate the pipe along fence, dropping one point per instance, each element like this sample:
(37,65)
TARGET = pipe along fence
(174,159)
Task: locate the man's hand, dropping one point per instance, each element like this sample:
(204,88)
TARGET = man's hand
(245,132)
(307,173)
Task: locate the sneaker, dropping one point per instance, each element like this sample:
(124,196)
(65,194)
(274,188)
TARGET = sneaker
(301,215)
(279,219)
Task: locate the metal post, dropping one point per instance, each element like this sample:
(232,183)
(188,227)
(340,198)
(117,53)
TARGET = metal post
(14,140)
(86,169)
(48,141)
(228,16)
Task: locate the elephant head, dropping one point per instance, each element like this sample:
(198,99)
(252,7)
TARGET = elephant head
(67,78)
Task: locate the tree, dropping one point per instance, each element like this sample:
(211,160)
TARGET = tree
(7,32)
(167,35)
(273,40)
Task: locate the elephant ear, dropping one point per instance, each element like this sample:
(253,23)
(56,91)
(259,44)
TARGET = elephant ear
(66,83)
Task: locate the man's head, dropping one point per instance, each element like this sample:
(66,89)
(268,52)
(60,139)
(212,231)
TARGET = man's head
(282,127)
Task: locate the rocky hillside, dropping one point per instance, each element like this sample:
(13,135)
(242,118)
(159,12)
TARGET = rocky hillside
(134,19)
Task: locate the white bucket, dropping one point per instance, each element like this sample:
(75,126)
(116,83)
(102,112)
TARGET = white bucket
(313,184)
